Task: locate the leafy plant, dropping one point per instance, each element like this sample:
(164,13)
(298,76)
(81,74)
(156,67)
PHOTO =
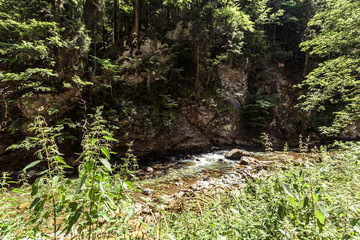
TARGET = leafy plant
(50,190)
(258,112)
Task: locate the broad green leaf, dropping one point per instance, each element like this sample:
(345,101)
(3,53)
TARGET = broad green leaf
(320,217)
(31,165)
(35,187)
(94,194)
(110,138)
(106,132)
(106,163)
(357,228)
(281,211)
(354,221)
(93,141)
(292,201)
(106,153)
(73,206)
(129,184)
(328,198)
(17,190)
(287,190)
(59,159)
(72,219)
(55,150)
(81,155)
(80,184)
(88,166)
(36,200)
(56,135)
(323,209)
(352,207)
(315,198)
(60,208)
(38,207)
(304,203)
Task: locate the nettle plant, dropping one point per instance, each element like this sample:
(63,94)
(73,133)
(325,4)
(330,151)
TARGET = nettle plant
(63,206)
(50,191)
(96,192)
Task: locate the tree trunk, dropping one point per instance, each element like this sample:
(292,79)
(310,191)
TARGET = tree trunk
(148,85)
(274,33)
(95,41)
(58,55)
(197,83)
(306,63)
(136,18)
(116,36)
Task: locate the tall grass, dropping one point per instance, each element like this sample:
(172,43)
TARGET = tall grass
(318,199)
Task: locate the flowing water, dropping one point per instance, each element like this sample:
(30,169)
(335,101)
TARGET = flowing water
(173,174)
(184,167)
(176,174)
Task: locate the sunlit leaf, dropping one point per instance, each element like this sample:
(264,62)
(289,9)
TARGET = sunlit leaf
(315,197)
(31,165)
(59,159)
(357,228)
(110,138)
(287,190)
(320,217)
(80,184)
(292,201)
(323,209)
(106,153)
(130,185)
(106,163)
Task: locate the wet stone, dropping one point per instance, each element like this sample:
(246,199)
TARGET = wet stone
(194,188)
(236,154)
(147,191)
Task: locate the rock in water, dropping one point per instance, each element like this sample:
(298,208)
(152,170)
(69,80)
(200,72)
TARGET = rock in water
(236,154)
(246,160)
(147,191)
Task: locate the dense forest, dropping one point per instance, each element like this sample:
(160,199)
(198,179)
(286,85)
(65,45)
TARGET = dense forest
(150,78)
(159,66)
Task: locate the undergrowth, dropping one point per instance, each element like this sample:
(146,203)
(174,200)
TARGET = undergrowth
(318,198)
(314,197)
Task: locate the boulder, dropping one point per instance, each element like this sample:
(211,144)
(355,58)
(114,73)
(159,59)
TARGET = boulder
(236,154)
(246,160)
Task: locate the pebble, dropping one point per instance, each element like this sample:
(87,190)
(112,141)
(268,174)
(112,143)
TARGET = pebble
(194,188)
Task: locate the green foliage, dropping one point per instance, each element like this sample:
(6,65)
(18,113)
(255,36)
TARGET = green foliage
(61,204)
(94,183)
(259,111)
(26,47)
(336,79)
(310,201)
